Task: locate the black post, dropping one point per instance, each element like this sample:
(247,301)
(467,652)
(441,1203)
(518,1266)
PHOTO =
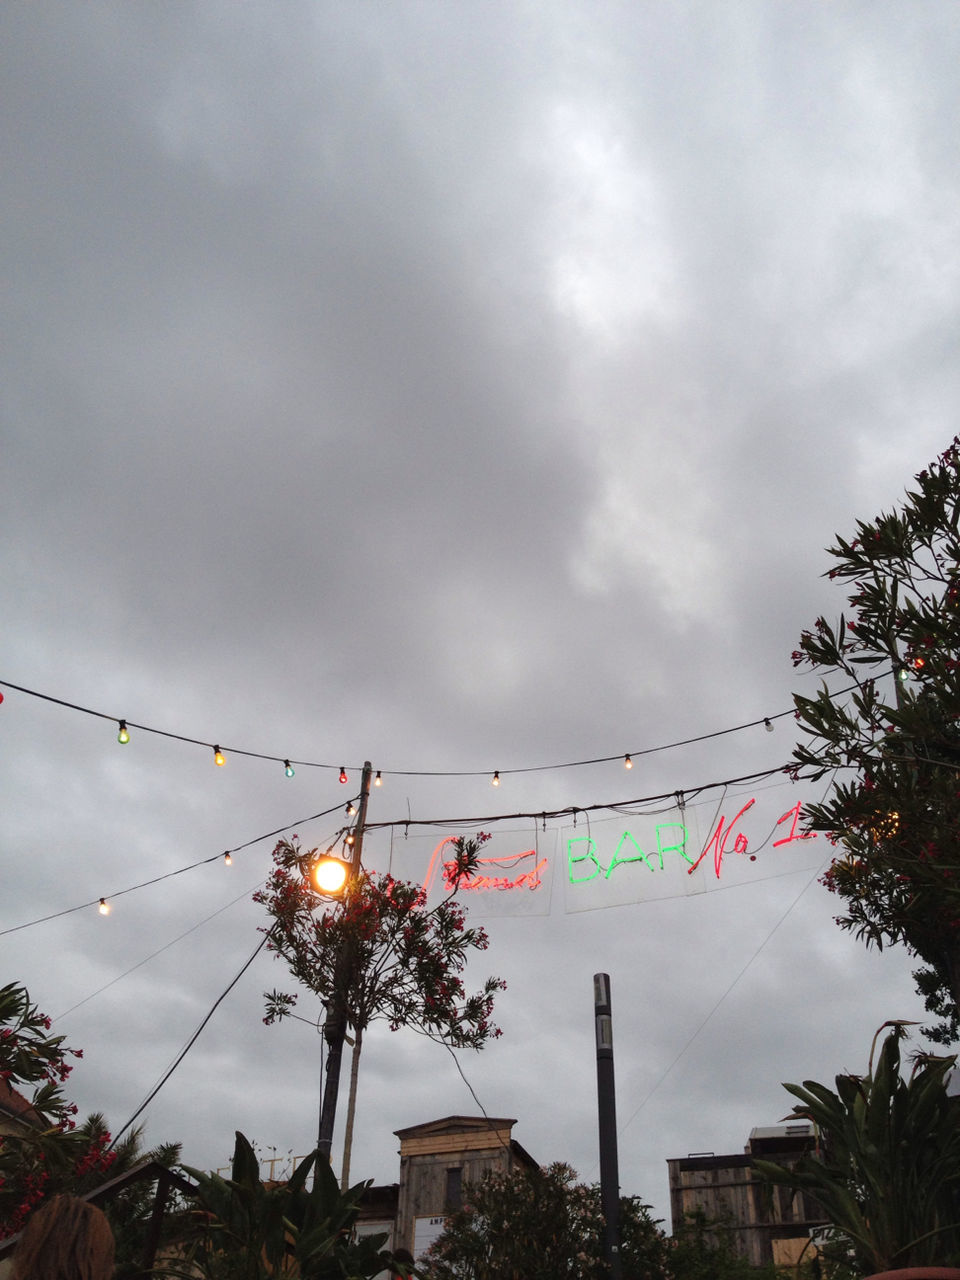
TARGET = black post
(607,1110)
(335,1027)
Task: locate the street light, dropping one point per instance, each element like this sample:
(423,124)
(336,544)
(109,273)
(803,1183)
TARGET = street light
(329,874)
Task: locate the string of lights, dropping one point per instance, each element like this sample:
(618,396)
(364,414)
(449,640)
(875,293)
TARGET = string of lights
(688,795)
(222,753)
(103,904)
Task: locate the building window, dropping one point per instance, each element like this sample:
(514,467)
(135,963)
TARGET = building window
(454,1193)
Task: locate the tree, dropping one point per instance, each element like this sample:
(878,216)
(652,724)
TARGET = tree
(887,1168)
(701,1249)
(890,738)
(47,1153)
(130,1210)
(541,1224)
(50,1152)
(406,959)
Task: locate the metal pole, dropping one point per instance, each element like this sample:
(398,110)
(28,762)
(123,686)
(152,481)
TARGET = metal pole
(607,1111)
(335,1027)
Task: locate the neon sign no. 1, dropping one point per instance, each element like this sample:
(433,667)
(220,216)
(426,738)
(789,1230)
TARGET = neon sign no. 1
(718,842)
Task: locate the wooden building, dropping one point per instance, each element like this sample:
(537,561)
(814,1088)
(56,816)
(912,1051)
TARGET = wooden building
(437,1160)
(763,1223)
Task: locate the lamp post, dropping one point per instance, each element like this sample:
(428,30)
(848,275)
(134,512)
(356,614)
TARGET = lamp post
(607,1110)
(335,1027)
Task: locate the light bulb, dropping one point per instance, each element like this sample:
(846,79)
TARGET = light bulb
(903,673)
(350,838)
(343,774)
(329,874)
(227,860)
(104,907)
(288,768)
(351,809)
(627,762)
(495,780)
(768,725)
(124,734)
(218,756)
(378,781)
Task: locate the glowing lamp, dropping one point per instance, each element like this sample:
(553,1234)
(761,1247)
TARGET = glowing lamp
(351,809)
(227,860)
(104,907)
(495,780)
(378,781)
(627,762)
(329,874)
(288,768)
(343,774)
(124,734)
(218,756)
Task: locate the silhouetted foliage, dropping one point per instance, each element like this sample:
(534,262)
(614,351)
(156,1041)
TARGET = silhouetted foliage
(891,742)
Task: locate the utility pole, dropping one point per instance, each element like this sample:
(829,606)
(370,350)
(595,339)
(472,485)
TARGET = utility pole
(335,1027)
(607,1110)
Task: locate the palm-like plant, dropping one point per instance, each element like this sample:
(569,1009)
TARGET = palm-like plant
(251,1230)
(887,1167)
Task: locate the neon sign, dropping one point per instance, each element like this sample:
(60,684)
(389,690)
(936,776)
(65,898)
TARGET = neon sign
(628,849)
(689,850)
(528,878)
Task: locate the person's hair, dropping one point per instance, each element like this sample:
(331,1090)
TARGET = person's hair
(66,1239)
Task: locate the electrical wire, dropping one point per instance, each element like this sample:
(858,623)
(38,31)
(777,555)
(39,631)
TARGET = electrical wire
(538,815)
(192,1041)
(730,988)
(159,951)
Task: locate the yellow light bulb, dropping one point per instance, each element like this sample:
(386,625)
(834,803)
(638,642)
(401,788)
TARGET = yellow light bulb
(104,907)
(218,756)
(329,874)
(227,860)
(495,780)
(124,734)
(627,762)
(378,781)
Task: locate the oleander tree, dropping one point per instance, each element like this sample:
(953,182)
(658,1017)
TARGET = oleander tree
(885,728)
(541,1224)
(407,959)
(47,1152)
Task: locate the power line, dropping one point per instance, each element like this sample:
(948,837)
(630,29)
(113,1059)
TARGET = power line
(159,951)
(571,811)
(193,1039)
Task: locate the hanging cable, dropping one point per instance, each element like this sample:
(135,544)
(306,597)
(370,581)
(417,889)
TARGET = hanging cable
(192,1041)
(159,951)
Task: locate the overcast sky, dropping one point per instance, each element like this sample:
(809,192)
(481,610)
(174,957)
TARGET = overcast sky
(459,387)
